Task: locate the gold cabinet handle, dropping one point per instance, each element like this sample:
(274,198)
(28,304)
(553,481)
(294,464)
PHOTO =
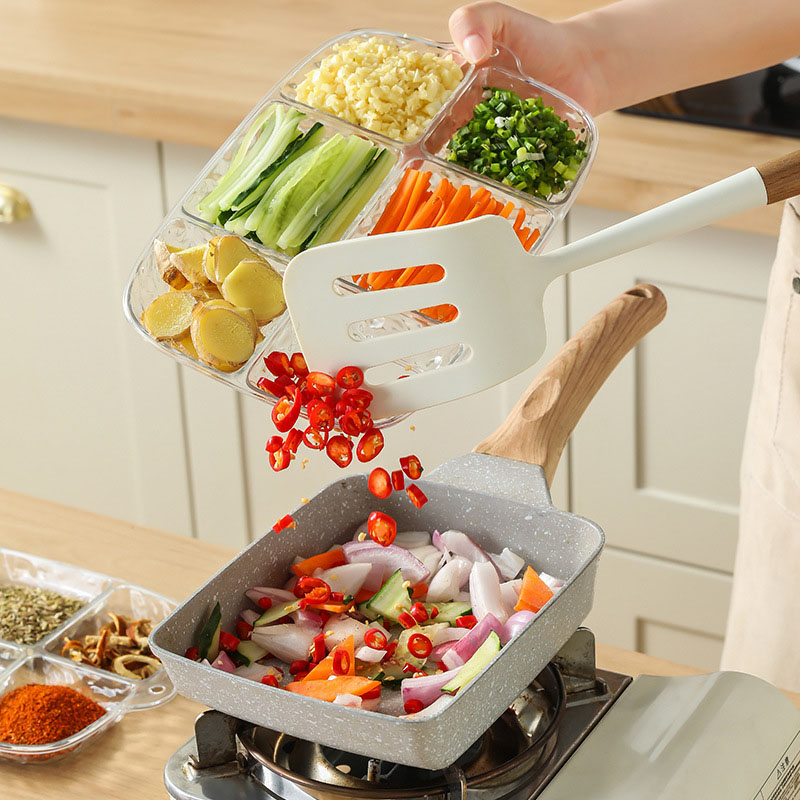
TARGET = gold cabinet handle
(14,206)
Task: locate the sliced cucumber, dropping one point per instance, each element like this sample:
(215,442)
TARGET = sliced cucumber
(338,221)
(369,613)
(391,599)
(276,612)
(448,612)
(208,641)
(480,658)
(247,652)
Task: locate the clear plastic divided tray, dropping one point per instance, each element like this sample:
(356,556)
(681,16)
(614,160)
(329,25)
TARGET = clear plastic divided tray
(184,227)
(41,662)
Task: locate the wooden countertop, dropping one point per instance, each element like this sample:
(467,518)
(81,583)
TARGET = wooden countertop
(188,72)
(128,760)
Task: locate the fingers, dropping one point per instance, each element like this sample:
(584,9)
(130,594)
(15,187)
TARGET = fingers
(474,27)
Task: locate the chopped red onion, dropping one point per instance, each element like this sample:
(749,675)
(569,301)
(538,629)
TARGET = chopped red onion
(553,583)
(374,578)
(255,671)
(448,634)
(461,545)
(223,662)
(430,557)
(342,626)
(446,583)
(352,700)
(464,649)
(370,654)
(392,557)
(287,642)
(427,689)
(346,578)
(508,562)
(276,595)
(436,541)
(514,624)
(250,616)
(484,592)
(310,619)
(441,649)
(509,593)
(412,539)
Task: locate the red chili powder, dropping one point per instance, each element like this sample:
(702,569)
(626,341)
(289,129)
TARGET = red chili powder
(39,714)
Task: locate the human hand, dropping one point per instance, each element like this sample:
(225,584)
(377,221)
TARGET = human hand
(556,53)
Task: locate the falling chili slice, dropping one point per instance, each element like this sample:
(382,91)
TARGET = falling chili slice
(398,480)
(314,438)
(340,450)
(320,384)
(416,495)
(379,483)
(382,528)
(349,377)
(286,411)
(293,439)
(280,459)
(278,364)
(411,466)
(419,645)
(355,422)
(370,444)
(282,524)
(274,443)
(320,415)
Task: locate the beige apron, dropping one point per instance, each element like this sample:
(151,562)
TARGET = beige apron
(763,635)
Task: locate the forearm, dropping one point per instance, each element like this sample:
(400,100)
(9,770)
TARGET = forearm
(637,49)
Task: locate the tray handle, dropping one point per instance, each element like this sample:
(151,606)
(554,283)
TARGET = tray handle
(544,417)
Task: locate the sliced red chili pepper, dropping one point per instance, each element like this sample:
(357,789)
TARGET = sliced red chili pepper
(280,459)
(243,629)
(372,694)
(467,621)
(434,612)
(283,523)
(411,466)
(267,385)
(293,439)
(227,641)
(270,680)
(413,706)
(274,443)
(341,408)
(390,648)
(286,411)
(379,483)
(314,590)
(356,421)
(406,620)
(382,528)
(315,439)
(192,653)
(299,365)
(398,479)
(370,444)
(442,666)
(419,612)
(337,597)
(320,384)
(320,415)
(318,648)
(419,645)
(357,398)
(416,495)
(409,668)
(349,377)
(298,666)
(278,364)
(340,450)
(375,639)
(341,662)
(264,603)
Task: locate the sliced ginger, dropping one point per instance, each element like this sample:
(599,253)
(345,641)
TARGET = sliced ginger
(223,338)
(254,284)
(229,251)
(186,346)
(169,316)
(169,272)
(190,264)
(209,259)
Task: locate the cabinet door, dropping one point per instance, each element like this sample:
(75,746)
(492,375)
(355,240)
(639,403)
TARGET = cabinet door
(90,417)
(656,457)
(662,609)
(236,493)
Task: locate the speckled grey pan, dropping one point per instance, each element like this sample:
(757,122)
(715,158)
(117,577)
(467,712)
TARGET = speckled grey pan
(498,495)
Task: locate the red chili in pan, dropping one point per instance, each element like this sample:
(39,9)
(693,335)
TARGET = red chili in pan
(379,483)
(264,603)
(370,444)
(341,662)
(419,612)
(298,666)
(413,706)
(243,629)
(375,639)
(270,680)
(349,377)
(193,654)
(419,645)
(467,621)
(320,384)
(398,480)
(227,641)
(313,590)
(382,528)
(372,694)
(416,495)
(411,466)
(340,450)
(406,620)
(318,648)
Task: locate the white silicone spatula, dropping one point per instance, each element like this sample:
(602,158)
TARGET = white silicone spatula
(496,286)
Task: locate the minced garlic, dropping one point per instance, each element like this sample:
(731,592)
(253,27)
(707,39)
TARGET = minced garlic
(381,86)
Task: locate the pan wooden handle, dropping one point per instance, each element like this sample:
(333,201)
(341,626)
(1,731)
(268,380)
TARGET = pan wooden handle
(781,177)
(540,423)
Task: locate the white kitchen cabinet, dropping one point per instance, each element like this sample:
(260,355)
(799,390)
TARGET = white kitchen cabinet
(666,610)
(90,417)
(236,494)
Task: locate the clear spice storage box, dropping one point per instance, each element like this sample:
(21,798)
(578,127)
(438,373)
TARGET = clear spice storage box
(184,226)
(42,662)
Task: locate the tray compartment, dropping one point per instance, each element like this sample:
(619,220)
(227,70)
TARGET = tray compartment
(21,569)
(134,603)
(8,655)
(460,111)
(288,87)
(103,688)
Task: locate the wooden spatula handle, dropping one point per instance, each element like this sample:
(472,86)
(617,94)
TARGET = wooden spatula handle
(540,423)
(781,177)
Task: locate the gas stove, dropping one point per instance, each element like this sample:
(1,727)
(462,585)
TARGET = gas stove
(576,731)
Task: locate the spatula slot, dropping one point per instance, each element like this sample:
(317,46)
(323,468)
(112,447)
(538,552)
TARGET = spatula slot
(395,277)
(411,366)
(374,327)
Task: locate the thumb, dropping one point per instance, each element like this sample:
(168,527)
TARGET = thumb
(474,27)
